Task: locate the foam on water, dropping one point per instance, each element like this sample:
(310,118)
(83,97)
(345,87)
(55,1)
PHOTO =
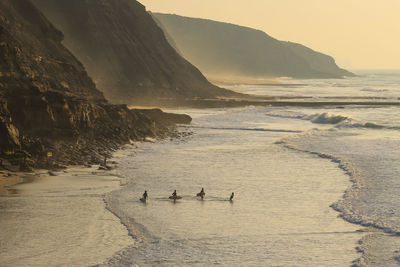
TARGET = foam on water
(278,201)
(370,159)
(286,165)
(362,142)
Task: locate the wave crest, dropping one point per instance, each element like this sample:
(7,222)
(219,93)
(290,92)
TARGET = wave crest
(326,118)
(340,121)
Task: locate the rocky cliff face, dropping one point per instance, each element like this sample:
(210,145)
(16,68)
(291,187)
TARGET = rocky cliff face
(125,52)
(50,110)
(222,49)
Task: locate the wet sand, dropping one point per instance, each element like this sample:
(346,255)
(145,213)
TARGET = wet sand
(8,179)
(60,220)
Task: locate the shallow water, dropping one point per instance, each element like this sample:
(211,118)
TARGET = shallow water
(286,167)
(280,214)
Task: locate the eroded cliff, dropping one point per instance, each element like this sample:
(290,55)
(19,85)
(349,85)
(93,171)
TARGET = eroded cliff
(50,110)
(125,52)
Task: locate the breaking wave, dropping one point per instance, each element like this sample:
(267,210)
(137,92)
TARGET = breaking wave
(340,121)
(320,118)
(326,118)
(344,206)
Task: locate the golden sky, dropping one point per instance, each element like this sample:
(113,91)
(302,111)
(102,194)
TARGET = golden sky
(359,34)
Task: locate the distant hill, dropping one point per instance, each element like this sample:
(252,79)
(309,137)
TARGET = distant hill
(125,52)
(226,50)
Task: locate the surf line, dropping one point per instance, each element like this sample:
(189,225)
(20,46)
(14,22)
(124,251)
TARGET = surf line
(248,129)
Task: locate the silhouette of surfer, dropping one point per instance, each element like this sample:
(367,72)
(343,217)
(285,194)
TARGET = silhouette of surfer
(174,194)
(144,197)
(232,195)
(201,194)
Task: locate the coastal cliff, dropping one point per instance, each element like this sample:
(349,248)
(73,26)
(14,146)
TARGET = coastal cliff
(125,52)
(226,50)
(50,110)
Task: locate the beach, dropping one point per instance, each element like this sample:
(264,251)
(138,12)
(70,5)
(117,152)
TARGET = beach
(8,179)
(60,220)
(314,186)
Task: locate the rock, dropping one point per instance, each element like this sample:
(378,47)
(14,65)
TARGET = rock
(127,53)
(64,119)
(105,168)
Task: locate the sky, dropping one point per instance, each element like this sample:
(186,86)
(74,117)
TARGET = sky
(359,34)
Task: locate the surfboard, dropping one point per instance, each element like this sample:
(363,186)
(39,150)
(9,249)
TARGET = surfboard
(175,197)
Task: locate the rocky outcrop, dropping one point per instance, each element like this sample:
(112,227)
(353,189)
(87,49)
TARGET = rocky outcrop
(125,52)
(227,50)
(50,110)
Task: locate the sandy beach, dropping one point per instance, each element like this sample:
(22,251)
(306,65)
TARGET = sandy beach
(59,220)
(8,179)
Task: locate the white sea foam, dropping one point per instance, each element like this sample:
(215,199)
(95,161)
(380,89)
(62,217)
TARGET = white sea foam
(371,200)
(339,120)
(279,199)
(319,118)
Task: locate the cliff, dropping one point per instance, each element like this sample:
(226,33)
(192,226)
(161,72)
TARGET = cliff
(50,110)
(317,60)
(223,49)
(125,52)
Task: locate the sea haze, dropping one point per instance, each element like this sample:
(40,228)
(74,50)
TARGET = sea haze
(287,166)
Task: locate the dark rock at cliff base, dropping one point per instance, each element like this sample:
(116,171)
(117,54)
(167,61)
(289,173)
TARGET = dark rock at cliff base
(226,50)
(125,52)
(166,118)
(51,113)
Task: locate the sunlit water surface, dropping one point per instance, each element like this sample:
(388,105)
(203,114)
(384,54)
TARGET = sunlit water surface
(286,167)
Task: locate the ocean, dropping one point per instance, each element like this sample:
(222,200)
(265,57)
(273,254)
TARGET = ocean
(314,186)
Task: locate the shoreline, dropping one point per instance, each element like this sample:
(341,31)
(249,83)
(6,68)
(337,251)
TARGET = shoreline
(127,219)
(272,101)
(106,203)
(7,180)
(47,216)
(10,179)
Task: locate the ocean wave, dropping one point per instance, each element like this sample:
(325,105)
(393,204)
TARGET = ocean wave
(374,90)
(326,118)
(345,205)
(340,121)
(248,129)
(320,118)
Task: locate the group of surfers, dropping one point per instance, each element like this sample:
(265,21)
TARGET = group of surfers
(175,196)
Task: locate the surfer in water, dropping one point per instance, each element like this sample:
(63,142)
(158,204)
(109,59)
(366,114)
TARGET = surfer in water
(144,197)
(174,194)
(232,195)
(201,194)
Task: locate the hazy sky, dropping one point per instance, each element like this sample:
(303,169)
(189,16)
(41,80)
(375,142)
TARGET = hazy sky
(359,34)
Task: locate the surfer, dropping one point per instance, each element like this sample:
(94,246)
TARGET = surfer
(174,194)
(232,195)
(201,194)
(144,197)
